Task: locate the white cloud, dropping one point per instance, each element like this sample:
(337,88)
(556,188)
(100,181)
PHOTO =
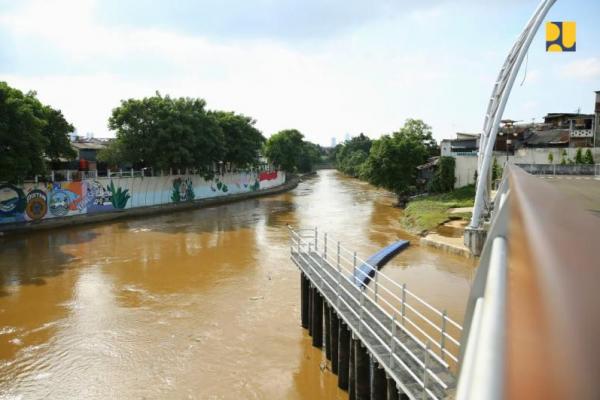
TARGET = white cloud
(583,69)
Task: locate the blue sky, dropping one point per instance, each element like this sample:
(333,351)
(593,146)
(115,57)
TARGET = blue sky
(326,68)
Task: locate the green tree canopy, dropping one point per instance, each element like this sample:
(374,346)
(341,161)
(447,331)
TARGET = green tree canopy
(422,132)
(30,134)
(284,149)
(352,154)
(164,132)
(243,141)
(393,160)
(310,155)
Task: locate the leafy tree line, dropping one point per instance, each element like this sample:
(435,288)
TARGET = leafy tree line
(390,161)
(580,157)
(158,131)
(288,150)
(164,132)
(33,135)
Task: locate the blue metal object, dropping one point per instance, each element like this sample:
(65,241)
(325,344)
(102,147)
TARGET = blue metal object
(365,272)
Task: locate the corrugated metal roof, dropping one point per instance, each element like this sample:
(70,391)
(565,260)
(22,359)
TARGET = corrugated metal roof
(547,137)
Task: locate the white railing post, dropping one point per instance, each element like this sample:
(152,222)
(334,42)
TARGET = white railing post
(316,238)
(108,172)
(403,307)
(68,175)
(393,341)
(338,255)
(132,172)
(52,175)
(376,273)
(339,280)
(354,267)
(325,246)
(425,374)
(443,338)
(360,311)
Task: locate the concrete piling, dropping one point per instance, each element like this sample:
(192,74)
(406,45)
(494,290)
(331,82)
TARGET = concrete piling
(304,286)
(361,371)
(378,382)
(334,337)
(392,390)
(310,308)
(343,355)
(352,370)
(317,319)
(327,315)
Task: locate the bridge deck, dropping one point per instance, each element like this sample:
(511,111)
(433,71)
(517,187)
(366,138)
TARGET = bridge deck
(403,358)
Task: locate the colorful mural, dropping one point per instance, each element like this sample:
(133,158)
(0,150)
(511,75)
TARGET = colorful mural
(183,190)
(12,203)
(118,196)
(36,202)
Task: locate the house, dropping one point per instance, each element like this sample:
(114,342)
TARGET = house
(465,144)
(87,150)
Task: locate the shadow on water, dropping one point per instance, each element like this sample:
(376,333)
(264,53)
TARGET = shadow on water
(16,254)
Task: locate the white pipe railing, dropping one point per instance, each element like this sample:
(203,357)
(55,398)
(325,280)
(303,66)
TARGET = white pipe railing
(379,292)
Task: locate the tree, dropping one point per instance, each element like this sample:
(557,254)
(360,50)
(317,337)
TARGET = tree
(30,134)
(352,154)
(444,178)
(579,156)
(243,141)
(284,149)
(550,157)
(310,155)
(588,158)
(113,154)
(422,132)
(393,160)
(164,132)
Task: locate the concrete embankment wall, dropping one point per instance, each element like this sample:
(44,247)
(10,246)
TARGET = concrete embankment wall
(43,206)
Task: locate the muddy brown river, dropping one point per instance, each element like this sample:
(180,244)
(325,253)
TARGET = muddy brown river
(199,304)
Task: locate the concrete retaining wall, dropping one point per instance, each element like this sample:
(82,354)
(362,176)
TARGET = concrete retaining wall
(64,203)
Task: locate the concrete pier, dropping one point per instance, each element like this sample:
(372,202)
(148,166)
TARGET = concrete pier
(304,290)
(327,315)
(310,308)
(392,390)
(378,382)
(352,370)
(333,331)
(317,319)
(362,371)
(343,355)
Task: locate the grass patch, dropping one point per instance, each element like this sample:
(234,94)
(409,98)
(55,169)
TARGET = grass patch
(427,212)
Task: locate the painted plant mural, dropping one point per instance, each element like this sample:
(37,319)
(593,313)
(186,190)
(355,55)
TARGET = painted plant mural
(183,190)
(118,196)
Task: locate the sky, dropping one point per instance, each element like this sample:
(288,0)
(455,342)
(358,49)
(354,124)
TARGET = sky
(325,67)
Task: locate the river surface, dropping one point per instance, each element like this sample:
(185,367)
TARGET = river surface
(195,304)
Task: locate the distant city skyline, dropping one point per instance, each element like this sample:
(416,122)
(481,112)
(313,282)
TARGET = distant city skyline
(324,68)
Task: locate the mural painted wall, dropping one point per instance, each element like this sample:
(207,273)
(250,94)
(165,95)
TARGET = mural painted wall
(34,202)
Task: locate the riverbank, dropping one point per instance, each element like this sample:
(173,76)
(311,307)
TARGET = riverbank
(428,212)
(8,229)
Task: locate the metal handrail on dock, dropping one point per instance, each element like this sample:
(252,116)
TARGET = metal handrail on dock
(398,319)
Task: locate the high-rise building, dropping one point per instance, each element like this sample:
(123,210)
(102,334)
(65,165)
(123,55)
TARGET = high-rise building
(333,142)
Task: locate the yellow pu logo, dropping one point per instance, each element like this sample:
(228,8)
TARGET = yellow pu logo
(560,36)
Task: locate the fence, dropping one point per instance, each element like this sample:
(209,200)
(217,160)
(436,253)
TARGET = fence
(560,169)
(91,193)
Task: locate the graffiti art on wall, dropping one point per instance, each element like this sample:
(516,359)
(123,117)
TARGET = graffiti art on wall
(66,198)
(97,197)
(118,196)
(217,185)
(183,190)
(37,204)
(268,176)
(37,201)
(12,203)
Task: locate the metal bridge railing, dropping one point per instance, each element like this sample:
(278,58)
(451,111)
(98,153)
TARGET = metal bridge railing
(533,314)
(436,335)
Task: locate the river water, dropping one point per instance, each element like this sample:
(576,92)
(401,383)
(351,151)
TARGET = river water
(196,304)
